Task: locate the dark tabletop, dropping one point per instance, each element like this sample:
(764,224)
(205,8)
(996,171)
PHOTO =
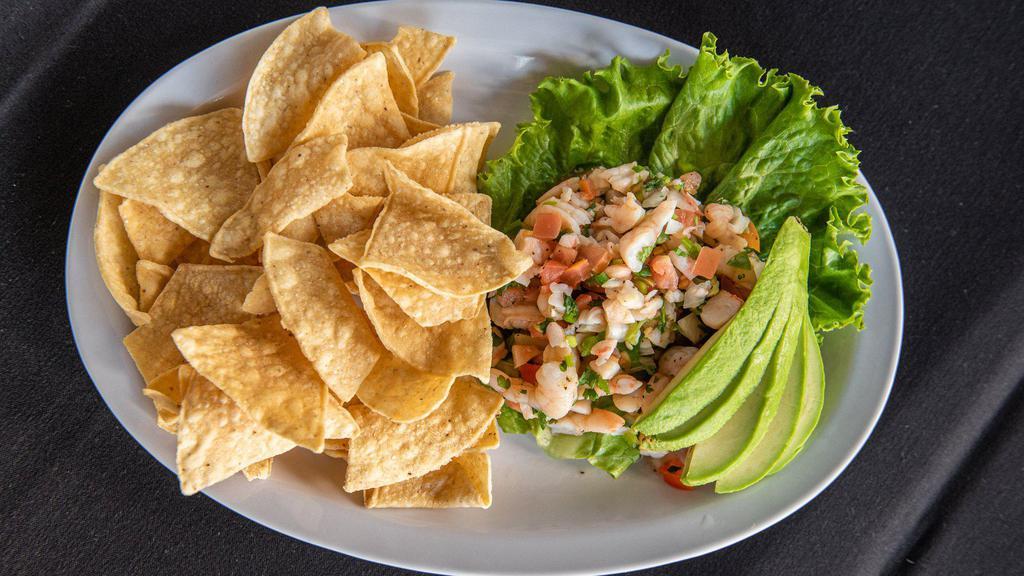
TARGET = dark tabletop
(934,92)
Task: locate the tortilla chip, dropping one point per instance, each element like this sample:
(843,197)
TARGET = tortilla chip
(445,160)
(402,393)
(258,470)
(338,423)
(359,104)
(317,308)
(306,179)
(259,301)
(195,295)
(387,452)
(347,215)
(435,98)
(289,80)
(154,237)
(167,391)
(439,244)
(194,171)
(455,348)
(336,448)
(116,258)
(478,204)
(422,50)
(465,482)
(216,438)
(152,278)
(417,126)
(263,168)
(303,229)
(260,366)
(403,88)
(490,440)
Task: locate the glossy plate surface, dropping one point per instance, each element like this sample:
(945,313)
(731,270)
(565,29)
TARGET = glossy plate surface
(548,516)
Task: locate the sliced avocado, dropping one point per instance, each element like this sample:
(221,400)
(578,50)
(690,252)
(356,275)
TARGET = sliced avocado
(716,414)
(768,451)
(811,402)
(692,390)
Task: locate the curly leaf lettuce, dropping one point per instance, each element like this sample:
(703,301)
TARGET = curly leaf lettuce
(609,116)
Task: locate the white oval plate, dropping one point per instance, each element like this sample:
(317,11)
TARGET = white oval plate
(548,516)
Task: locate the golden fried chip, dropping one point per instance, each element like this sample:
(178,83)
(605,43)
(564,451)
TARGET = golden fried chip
(167,392)
(490,440)
(317,308)
(259,301)
(465,482)
(359,104)
(258,470)
(387,452)
(290,79)
(195,295)
(347,215)
(336,448)
(154,237)
(456,348)
(445,160)
(478,204)
(152,278)
(194,171)
(216,438)
(303,229)
(402,393)
(338,423)
(435,98)
(307,178)
(422,50)
(260,366)
(399,78)
(418,126)
(439,244)
(116,258)
(351,247)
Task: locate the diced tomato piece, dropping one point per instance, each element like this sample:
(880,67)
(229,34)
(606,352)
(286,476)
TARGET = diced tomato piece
(707,262)
(511,296)
(564,254)
(752,237)
(672,471)
(687,216)
(583,301)
(552,272)
(529,372)
(664,273)
(547,226)
(576,273)
(521,354)
(597,256)
(587,191)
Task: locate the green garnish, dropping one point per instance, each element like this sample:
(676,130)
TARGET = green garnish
(589,342)
(598,279)
(688,248)
(504,382)
(591,380)
(645,253)
(572,313)
(633,334)
(740,261)
(571,340)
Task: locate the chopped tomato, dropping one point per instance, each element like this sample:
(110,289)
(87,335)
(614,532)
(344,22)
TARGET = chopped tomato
(597,256)
(511,296)
(587,191)
(551,272)
(664,273)
(547,226)
(529,372)
(564,254)
(752,237)
(684,282)
(687,216)
(707,262)
(583,301)
(672,471)
(522,354)
(576,273)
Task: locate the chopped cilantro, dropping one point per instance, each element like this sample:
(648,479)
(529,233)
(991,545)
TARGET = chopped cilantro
(572,313)
(740,261)
(570,339)
(688,248)
(633,334)
(589,342)
(662,317)
(504,382)
(598,279)
(543,326)
(645,253)
(644,272)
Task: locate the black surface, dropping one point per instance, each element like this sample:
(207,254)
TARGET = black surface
(934,92)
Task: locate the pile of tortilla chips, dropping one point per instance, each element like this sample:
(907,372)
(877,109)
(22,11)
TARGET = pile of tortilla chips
(310,272)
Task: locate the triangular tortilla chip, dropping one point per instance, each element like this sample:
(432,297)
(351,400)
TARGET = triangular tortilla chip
(116,258)
(455,348)
(303,229)
(195,295)
(167,391)
(259,301)
(216,438)
(154,237)
(490,440)
(260,366)
(417,126)
(387,452)
(359,104)
(439,244)
(338,422)
(307,178)
(316,307)
(465,482)
(402,393)
(422,50)
(259,470)
(347,215)
(399,78)
(194,171)
(289,80)
(435,98)
(152,278)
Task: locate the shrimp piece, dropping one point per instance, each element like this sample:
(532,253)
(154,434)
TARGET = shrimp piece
(519,316)
(555,392)
(603,350)
(591,320)
(568,222)
(719,309)
(559,189)
(625,216)
(624,384)
(725,224)
(536,248)
(645,234)
(581,407)
(555,335)
(663,272)
(600,421)
(621,177)
(673,360)
(608,367)
(512,389)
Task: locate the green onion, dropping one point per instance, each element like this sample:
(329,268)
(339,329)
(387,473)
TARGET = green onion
(589,342)
(642,284)
(598,279)
(645,253)
(572,313)
(662,317)
(633,334)
(571,340)
(551,203)
(644,272)
(688,248)
(740,261)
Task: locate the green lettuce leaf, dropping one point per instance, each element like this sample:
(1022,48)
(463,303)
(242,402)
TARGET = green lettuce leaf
(839,286)
(722,107)
(608,117)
